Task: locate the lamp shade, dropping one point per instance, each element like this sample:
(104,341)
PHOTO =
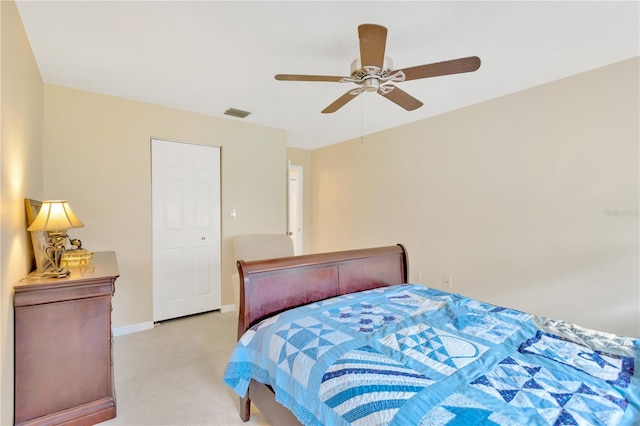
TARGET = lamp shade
(55,215)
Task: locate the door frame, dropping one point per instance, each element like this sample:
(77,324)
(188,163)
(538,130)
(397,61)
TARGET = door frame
(295,214)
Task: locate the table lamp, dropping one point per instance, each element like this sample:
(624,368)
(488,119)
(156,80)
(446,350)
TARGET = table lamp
(55,217)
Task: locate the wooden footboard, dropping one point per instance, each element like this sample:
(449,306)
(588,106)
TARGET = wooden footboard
(268,287)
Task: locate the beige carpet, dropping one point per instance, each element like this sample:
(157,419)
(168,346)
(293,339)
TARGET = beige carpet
(172,375)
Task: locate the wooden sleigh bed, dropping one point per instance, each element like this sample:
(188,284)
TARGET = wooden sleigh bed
(272,288)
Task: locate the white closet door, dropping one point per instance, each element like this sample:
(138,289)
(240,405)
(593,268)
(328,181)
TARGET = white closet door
(186,228)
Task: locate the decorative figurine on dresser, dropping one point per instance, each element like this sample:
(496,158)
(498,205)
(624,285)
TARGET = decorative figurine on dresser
(63,341)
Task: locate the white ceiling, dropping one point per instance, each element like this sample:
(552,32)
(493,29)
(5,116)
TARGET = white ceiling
(208,56)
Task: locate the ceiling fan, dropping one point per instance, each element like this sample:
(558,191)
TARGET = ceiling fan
(373,72)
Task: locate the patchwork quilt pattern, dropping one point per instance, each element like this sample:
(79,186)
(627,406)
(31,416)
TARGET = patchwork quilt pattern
(347,387)
(409,354)
(551,398)
(363,316)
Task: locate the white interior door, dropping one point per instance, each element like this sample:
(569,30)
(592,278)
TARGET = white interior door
(186,228)
(295,208)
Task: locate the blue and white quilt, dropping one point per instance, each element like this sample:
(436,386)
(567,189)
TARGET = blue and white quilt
(412,355)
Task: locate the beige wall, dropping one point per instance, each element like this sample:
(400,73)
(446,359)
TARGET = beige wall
(21,176)
(302,157)
(529,200)
(94,150)
(97,156)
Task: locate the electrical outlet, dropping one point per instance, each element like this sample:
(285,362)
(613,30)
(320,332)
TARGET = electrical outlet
(446,282)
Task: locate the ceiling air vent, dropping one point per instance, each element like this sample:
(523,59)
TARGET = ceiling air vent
(236,113)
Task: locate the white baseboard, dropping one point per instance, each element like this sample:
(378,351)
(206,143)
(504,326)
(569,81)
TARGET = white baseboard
(227,308)
(133,328)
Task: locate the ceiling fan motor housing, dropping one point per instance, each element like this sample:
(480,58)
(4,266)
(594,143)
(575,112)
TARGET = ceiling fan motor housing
(357,69)
(369,77)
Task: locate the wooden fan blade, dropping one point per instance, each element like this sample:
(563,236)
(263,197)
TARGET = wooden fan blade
(402,98)
(373,40)
(454,66)
(300,77)
(340,102)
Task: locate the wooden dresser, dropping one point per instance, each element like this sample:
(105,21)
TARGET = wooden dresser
(63,346)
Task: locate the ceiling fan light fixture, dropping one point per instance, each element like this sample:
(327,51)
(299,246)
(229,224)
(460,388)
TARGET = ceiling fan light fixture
(371,84)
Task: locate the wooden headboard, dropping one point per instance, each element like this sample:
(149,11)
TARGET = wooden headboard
(271,286)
